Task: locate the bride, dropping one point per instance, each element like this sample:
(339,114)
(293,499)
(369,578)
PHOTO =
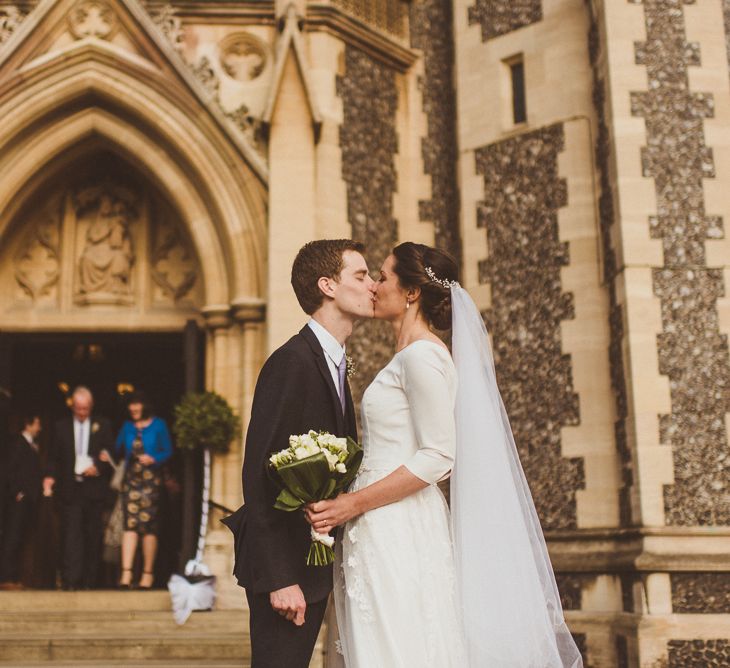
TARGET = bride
(416,586)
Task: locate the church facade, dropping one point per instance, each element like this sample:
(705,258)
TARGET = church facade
(162,162)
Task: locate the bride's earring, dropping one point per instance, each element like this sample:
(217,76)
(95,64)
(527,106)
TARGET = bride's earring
(408,304)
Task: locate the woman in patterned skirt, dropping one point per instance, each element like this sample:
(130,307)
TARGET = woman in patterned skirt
(144,440)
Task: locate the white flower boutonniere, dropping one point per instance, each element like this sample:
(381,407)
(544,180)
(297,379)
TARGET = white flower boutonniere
(350,367)
(94,427)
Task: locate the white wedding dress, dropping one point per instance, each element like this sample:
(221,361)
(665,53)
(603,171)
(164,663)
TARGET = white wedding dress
(395,589)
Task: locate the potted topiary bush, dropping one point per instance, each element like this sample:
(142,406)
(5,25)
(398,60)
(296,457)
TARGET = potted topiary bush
(202,421)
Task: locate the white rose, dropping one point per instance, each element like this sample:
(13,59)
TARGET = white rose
(331,459)
(340,468)
(307,441)
(301,452)
(294,441)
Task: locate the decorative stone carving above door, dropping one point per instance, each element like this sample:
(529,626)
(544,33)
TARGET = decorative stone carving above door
(173,265)
(102,240)
(104,216)
(92,18)
(38,261)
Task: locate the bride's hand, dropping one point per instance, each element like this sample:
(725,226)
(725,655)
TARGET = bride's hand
(325,515)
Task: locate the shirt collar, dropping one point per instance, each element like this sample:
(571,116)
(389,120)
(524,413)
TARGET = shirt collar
(27,437)
(329,343)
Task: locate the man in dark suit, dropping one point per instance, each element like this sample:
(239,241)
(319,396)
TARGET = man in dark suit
(24,479)
(80,479)
(302,386)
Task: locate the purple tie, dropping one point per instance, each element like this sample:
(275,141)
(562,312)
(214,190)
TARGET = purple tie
(342,369)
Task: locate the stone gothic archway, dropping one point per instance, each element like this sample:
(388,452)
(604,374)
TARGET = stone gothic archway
(118,250)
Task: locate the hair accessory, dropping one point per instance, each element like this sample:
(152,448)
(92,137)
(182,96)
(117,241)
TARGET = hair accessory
(443,282)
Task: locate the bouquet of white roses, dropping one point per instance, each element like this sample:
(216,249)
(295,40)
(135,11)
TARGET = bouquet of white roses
(315,466)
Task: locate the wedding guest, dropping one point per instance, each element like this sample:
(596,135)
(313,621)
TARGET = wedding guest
(144,441)
(24,480)
(79,476)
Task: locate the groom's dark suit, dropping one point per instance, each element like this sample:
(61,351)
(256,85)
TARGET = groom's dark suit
(295,392)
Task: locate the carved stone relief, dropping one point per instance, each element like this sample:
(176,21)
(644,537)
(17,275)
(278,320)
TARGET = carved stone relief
(92,18)
(205,73)
(105,214)
(10,18)
(170,24)
(242,57)
(38,262)
(173,264)
(225,71)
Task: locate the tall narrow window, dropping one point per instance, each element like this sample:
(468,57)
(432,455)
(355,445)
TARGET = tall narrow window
(519,103)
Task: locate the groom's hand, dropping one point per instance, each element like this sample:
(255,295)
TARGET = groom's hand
(289,602)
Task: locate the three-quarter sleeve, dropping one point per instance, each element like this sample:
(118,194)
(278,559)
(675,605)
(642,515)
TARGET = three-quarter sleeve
(163,445)
(428,382)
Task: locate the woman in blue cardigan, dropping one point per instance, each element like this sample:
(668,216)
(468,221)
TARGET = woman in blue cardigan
(144,441)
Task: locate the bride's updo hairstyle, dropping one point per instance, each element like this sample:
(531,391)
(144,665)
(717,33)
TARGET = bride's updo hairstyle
(411,262)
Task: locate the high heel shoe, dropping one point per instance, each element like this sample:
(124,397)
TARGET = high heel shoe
(125,585)
(152,580)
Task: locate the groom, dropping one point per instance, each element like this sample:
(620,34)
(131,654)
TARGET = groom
(302,386)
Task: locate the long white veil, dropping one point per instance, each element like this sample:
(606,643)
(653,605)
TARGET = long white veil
(509,598)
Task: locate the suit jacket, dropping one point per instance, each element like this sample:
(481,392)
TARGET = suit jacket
(62,459)
(294,393)
(25,473)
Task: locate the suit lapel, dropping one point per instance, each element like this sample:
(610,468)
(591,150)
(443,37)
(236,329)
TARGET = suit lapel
(316,347)
(92,440)
(72,436)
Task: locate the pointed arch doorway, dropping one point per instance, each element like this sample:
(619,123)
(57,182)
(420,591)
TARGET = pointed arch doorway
(101,286)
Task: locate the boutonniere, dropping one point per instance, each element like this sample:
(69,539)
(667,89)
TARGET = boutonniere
(94,427)
(350,367)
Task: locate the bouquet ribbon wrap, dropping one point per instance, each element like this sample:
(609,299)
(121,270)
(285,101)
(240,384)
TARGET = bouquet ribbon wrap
(310,479)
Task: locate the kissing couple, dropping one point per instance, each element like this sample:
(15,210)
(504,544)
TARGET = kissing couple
(416,585)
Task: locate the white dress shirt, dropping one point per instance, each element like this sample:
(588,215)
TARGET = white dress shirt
(333,351)
(82,433)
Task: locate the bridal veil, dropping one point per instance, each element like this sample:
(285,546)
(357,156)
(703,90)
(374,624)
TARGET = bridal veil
(510,602)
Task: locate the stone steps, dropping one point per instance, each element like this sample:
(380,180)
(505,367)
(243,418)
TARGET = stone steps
(139,647)
(175,663)
(105,629)
(116,628)
(56,623)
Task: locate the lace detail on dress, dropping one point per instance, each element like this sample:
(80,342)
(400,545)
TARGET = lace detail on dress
(394,576)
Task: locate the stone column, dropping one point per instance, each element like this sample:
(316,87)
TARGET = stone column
(249,314)
(223,377)
(236,352)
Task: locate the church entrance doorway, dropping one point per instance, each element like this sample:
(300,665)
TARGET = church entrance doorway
(41,371)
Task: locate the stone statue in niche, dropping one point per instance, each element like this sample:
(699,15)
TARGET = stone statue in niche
(106,261)
(37,264)
(242,58)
